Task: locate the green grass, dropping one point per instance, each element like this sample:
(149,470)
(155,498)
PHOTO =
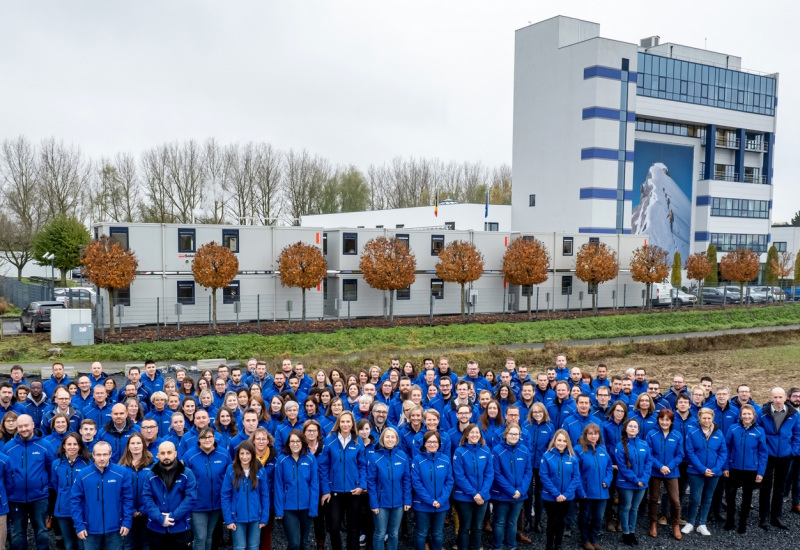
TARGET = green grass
(13,312)
(386,340)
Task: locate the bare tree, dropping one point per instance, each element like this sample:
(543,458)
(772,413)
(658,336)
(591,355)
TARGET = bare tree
(64,175)
(126,195)
(268,183)
(378,182)
(19,169)
(238,182)
(215,167)
(186,178)
(157,207)
(15,243)
(305,177)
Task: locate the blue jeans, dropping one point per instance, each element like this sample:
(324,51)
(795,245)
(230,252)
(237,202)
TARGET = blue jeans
(246,536)
(470,526)
(109,541)
(19,515)
(590,519)
(71,540)
(701,491)
(203,524)
(504,526)
(429,523)
(387,522)
(296,525)
(629,500)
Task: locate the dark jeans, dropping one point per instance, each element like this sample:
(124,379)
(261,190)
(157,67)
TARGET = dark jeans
(170,541)
(793,482)
(556,513)
(504,526)
(296,525)
(71,540)
(590,519)
(341,505)
(137,536)
(319,524)
(18,517)
(428,524)
(770,499)
(109,541)
(366,519)
(533,502)
(747,481)
(470,527)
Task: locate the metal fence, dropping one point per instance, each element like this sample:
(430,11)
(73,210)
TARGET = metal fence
(21,294)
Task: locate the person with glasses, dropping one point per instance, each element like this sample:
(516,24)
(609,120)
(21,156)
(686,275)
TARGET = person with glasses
(208,464)
(512,478)
(267,456)
(63,406)
(150,433)
(540,432)
(634,460)
(245,498)
(296,490)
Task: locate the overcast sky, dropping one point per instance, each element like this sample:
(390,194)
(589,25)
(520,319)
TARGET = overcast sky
(358,82)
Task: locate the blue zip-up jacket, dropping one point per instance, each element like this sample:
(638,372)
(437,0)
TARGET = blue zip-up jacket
(725,419)
(560,474)
(283,431)
(710,453)
(512,472)
(296,484)
(562,374)
(576,423)
(596,383)
(559,412)
(245,504)
(75,419)
(178,500)
(783,442)
(102,502)
(80,403)
(747,448)
(667,451)
(37,410)
(646,425)
(63,475)
(118,439)
(49,386)
(473,472)
(612,434)
(100,415)
(164,419)
(684,427)
(641,459)
(407,436)
(671,396)
(154,385)
(5,476)
(600,414)
(138,479)
(479,383)
(596,469)
(389,478)
(209,473)
(432,480)
(540,436)
(416,445)
(31,463)
(189,443)
(342,469)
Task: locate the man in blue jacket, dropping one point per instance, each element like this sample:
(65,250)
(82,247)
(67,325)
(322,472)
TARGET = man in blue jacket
(58,378)
(102,502)
(7,400)
(29,460)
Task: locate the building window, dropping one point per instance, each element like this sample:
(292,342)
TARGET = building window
(230,239)
(400,226)
(739,208)
(186,240)
(186,292)
(594,240)
(527,290)
(122,296)
(324,244)
(403,293)
(231,293)
(404,237)
(780,246)
(437,244)
(350,244)
(592,289)
(450,225)
(437,288)
(119,234)
(531,200)
(566,284)
(726,242)
(378,227)
(350,290)
(324,288)
(567,246)
(491,226)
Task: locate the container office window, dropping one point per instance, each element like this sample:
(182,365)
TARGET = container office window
(437,288)
(531,200)
(400,226)
(324,244)
(405,293)
(350,244)
(491,226)
(566,284)
(567,246)
(324,288)
(378,227)
(404,237)
(230,239)
(450,225)
(119,234)
(594,239)
(780,246)
(527,290)
(592,289)
(122,296)
(186,292)
(437,244)
(186,240)
(230,293)
(350,290)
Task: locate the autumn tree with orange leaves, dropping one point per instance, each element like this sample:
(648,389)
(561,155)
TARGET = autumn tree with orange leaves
(460,262)
(782,266)
(215,266)
(525,263)
(596,263)
(302,265)
(388,264)
(698,267)
(648,266)
(107,265)
(740,266)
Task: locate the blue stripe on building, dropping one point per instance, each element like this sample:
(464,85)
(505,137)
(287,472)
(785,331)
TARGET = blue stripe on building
(608,230)
(599,71)
(703,200)
(701,236)
(604,154)
(606,113)
(603,193)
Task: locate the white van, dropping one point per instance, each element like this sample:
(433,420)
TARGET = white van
(660,293)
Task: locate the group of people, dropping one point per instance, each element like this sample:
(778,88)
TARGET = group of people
(165,461)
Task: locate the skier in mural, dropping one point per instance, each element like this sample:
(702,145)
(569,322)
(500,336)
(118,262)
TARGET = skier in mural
(671,217)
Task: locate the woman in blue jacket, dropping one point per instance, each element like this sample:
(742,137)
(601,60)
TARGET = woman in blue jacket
(432,480)
(139,462)
(296,490)
(71,458)
(666,444)
(473,473)
(245,498)
(596,475)
(612,433)
(747,461)
(389,488)
(634,462)
(343,477)
(560,473)
(208,464)
(644,413)
(540,432)
(708,455)
(226,427)
(512,479)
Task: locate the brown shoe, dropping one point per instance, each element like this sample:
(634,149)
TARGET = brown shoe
(653,529)
(597,546)
(611,528)
(522,538)
(676,532)
(487,527)
(662,520)
(587,545)
(796,509)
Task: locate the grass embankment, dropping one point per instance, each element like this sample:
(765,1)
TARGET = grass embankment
(368,341)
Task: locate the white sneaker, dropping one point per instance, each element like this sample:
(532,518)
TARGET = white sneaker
(688,528)
(703,530)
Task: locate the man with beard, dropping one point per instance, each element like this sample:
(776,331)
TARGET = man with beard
(396,405)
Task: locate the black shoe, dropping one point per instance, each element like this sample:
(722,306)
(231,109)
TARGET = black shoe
(626,539)
(729,526)
(777,523)
(742,529)
(764,525)
(634,540)
(537,527)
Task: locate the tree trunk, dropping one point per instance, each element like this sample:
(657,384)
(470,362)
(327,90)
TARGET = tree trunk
(594,300)
(391,308)
(529,304)
(463,301)
(649,292)
(110,307)
(63,277)
(214,307)
(19,273)
(304,308)
(742,297)
(700,292)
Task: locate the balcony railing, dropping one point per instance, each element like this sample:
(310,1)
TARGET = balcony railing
(734,177)
(724,142)
(755,179)
(756,146)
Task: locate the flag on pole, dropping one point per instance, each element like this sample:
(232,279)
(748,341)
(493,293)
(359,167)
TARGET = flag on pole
(436,204)
(486,209)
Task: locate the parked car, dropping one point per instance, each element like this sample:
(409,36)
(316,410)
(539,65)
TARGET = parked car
(684,299)
(660,294)
(80,296)
(716,296)
(772,293)
(36,316)
(792,294)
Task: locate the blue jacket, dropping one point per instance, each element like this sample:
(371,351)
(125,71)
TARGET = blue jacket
(178,500)
(559,413)
(727,418)
(560,474)
(641,459)
(102,502)
(512,472)
(667,451)
(596,469)
(245,504)
(575,424)
(117,439)
(747,448)
(612,433)
(79,402)
(31,464)
(296,484)
(154,385)
(432,480)
(37,410)
(646,425)
(75,419)
(342,469)
(63,475)
(710,453)
(407,438)
(473,472)
(209,473)
(164,419)
(540,436)
(283,431)
(479,383)
(101,416)
(5,476)
(783,442)
(189,443)
(138,479)
(51,384)
(389,479)
(416,445)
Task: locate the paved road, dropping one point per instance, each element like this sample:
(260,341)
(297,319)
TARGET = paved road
(11,326)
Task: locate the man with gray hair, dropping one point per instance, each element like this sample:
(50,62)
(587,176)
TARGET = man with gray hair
(379,420)
(291,411)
